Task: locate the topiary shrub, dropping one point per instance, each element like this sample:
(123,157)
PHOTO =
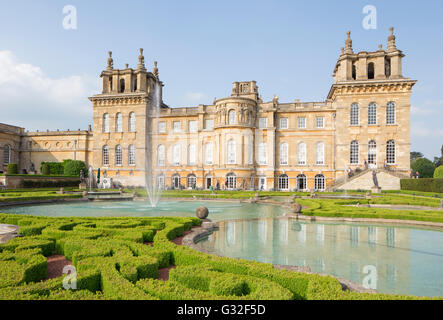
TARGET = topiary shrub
(424,166)
(46,171)
(12,168)
(438,173)
(73,168)
(55,168)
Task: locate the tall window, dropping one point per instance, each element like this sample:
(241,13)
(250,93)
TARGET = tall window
(191,181)
(390,152)
(302,153)
(283,123)
(162,127)
(301,182)
(192,126)
(250,150)
(132,122)
(301,123)
(371,71)
(354,152)
(372,152)
(390,113)
(372,114)
(191,154)
(106,122)
(208,153)
(131,155)
(161,182)
(320,122)
(355,116)
(176,154)
(105,155)
(122,85)
(284,154)
(232,117)
(262,123)
(6,155)
(176,126)
(262,153)
(231,181)
(320,184)
(209,124)
(387,67)
(118,155)
(283,182)
(118,122)
(231,152)
(161,155)
(320,153)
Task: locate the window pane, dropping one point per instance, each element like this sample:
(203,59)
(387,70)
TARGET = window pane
(209,124)
(354,152)
(320,122)
(284,123)
(354,114)
(162,127)
(390,113)
(176,125)
(302,123)
(262,123)
(372,114)
(193,126)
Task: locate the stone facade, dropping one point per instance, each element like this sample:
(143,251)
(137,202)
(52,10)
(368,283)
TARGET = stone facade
(241,141)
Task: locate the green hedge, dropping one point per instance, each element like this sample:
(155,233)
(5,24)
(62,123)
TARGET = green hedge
(426,185)
(12,168)
(438,173)
(55,168)
(50,183)
(73,168)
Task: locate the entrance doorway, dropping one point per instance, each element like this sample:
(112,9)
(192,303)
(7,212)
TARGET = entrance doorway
(176,182)
(262,183)
(208,182)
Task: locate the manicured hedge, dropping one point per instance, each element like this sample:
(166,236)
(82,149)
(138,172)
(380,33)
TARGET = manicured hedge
(12,168)
(55,168)
(426,185)
(50,183)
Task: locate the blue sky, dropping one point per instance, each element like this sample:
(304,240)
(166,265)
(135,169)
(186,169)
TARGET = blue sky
(289,47)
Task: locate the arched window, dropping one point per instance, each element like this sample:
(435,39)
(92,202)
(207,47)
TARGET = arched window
(371,72)
(301,182)
(160,182)
(122,85)
(176,181)
(232,117)
(208,153)
(302,153)
(161,155)
(284,154)
(387,67)
(7,155)
(320,153)
(132,122)
(390,152)
(135,84)
(176,154)
(105,156)
(283,182)
(262,153)
(231,152)
(320,184)
(390,113)
(118,155)
(191,154)
(131,155)
(372,152)
(231,181)
(191,181)
(354,72)
(372,114)
(355,115)
(118,122)
(106,122)
(354,152)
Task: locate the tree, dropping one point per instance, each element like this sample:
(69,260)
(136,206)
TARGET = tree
(438,173)
(73,167)
(424,166)
(416,155)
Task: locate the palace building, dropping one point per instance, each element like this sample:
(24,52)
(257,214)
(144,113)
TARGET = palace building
(241,141)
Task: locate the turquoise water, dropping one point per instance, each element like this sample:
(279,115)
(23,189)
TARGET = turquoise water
(390,259)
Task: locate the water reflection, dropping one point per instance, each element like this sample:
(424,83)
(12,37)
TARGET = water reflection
(342,250)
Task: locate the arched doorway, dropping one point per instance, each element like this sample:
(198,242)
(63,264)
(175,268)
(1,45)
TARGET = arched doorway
(301,182)
(175,181)
(191,181)
(231,181)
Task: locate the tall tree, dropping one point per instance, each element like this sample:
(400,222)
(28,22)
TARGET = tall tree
(417,155)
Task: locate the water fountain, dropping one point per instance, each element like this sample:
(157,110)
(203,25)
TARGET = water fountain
(90,178)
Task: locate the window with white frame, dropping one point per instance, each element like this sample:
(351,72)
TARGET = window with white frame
(209,124)
(176,125)
(162,127)
(262,153)
(231,181)
(105,155)
(302,153)
(131,155)
(372,114)
(193,126)
(354,157)
(372,152)
(119,122)
(6,155)
(231,116)
(161,155)
(208,153)
(390,152)
(231,152)
(320,122)
(191,181)
(106,123)
(191,154)
(176,154)
(320,183)
(390,113)
(301,123)
(283,123)
(320,153)
(301,182)
(355,115)
(132,122)
(118,155)
(283,182)
(161,182)
(284,154)
(262,123)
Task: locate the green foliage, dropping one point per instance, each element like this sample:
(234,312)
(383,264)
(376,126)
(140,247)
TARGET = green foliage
(438,173)
(55,168)
(27,183)
(426,185)
(45,169)
(73,168)
(12,168)
(416,155)
(424,166)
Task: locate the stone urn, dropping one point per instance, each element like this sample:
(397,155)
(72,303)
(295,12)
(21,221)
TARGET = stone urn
(85,194)
(202,212)
(296,208)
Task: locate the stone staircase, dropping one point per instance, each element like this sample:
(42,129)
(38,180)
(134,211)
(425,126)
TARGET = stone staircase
(387,180)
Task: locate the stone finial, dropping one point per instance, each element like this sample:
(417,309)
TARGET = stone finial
(141,60)
(155,70)
(342,50)
(110,64)
(391,40)
(127,65)
(202,212)
(380,47)
(348,44)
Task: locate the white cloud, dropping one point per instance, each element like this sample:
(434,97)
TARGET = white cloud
(420,130)
(420,111)
(32,99)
